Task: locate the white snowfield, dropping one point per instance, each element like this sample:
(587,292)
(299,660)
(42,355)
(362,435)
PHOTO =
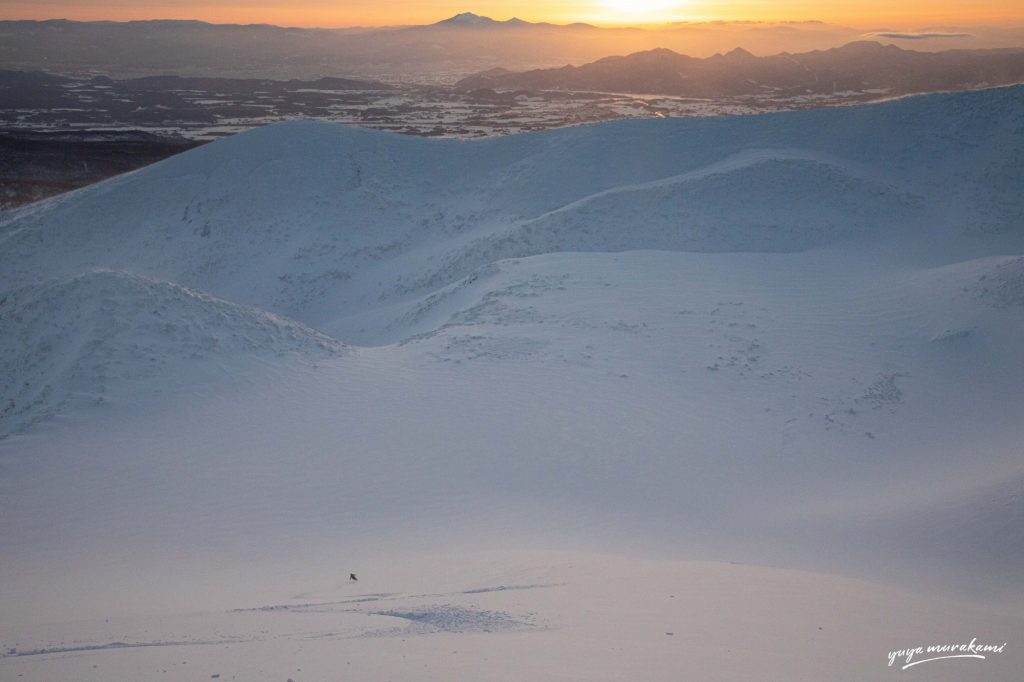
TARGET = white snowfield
(706,399)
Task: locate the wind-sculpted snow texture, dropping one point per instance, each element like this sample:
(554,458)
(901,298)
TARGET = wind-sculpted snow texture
(73,337)
(790,339)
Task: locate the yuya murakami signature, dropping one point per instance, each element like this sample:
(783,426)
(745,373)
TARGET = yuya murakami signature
(961,650)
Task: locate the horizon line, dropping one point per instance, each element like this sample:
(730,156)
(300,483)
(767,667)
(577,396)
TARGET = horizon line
(1009,23)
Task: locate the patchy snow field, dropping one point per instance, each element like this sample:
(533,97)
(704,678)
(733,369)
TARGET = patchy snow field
(539,392)
(534,615)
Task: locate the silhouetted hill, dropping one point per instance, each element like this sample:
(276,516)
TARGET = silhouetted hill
(857,66)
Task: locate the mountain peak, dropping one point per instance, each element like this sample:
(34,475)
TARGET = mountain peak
(656,53)
(738,53)
(471,19)
(467,19)
(865,47)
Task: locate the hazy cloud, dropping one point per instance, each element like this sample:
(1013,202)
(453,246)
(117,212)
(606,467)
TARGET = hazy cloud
(917,36)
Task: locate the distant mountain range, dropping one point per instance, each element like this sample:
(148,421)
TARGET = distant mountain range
(455,47)
(463,43)
(857,67)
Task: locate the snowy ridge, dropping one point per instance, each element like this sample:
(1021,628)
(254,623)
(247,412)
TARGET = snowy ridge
(317,222)
(783,339)
(75,338)
(788,204)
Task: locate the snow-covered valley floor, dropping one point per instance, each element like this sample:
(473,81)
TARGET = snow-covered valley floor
(538,616)
(755,382)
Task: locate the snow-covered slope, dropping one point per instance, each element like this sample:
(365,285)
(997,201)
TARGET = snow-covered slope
(74,337)
(787,339)
(317,221)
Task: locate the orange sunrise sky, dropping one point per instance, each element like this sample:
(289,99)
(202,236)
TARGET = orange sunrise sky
(336,13)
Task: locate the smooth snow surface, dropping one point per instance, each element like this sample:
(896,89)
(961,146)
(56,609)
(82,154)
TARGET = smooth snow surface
(536,616)
(792,340)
